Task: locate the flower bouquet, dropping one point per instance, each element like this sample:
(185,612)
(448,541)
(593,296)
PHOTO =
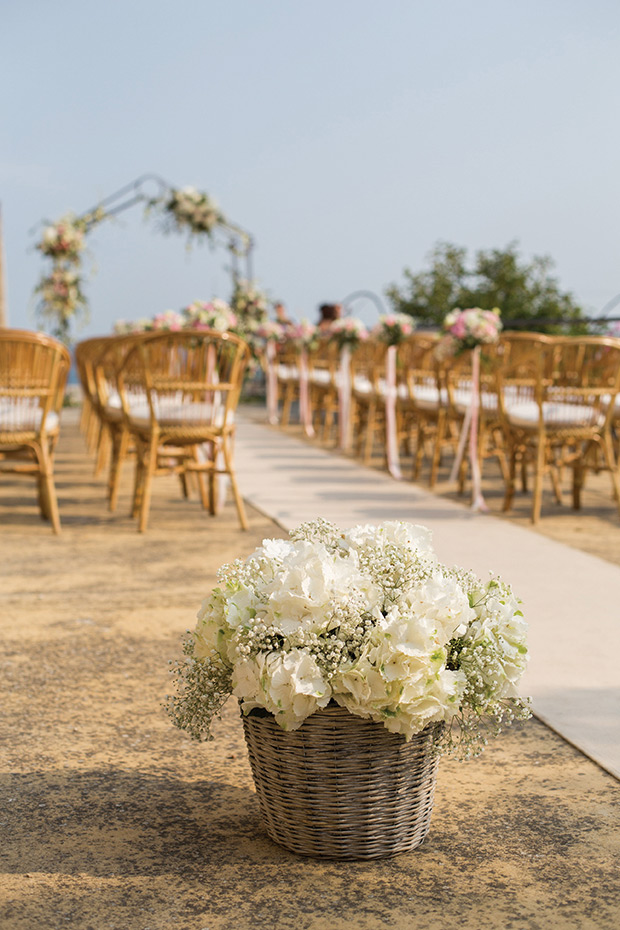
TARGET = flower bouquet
(213,314)
(249,304)
(467,329)
(393,328)
(63,240)
(61,298)
(366,627)
(191,210)
(348,331)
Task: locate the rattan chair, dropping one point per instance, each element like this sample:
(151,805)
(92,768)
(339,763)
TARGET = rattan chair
(557,405)
(457,377)
(179,392)
(324,374)
(33,375)
(422,402)
(287,375)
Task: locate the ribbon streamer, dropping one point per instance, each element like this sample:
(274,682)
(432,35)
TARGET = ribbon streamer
(344,398)
(470,427)
(305,413)
(390,414)
(272,384)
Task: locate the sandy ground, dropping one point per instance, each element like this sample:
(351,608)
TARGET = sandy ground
(111,818)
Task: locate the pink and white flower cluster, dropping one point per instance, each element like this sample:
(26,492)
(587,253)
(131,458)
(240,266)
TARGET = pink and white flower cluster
(212,314)
(368,619)
(393,328)
(193,210)
(348,331)
(271,331)
(466,329)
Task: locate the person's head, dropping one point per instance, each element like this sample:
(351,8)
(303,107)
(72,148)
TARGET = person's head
(329,312)
(280,311)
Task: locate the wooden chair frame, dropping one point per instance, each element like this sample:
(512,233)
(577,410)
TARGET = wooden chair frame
(33,376)
(203,368)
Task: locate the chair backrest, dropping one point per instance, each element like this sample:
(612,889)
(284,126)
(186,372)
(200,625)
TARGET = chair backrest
(419,368)
(172,370)
(367,367)
(571,380)
(33,374)
(86,354)
(324,362)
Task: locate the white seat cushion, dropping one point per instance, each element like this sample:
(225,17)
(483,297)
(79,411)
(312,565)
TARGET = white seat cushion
(554,415)
(190,413)
(23,414)
(362,384)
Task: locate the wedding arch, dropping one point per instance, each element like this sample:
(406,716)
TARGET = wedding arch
(61,297)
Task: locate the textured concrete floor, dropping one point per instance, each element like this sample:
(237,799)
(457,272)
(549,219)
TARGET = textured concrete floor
(111,818)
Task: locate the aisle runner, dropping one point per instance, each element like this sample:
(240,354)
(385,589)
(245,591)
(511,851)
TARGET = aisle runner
(574,629)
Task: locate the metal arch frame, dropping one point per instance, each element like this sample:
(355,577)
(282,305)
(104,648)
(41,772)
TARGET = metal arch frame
(240,243)
(356,295)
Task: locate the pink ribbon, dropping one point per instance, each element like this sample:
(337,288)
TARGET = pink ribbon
(272,384)
(344,398)
(390,414)
(305,413)
(470,427)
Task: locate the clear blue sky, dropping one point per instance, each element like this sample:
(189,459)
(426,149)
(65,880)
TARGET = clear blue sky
(348,136)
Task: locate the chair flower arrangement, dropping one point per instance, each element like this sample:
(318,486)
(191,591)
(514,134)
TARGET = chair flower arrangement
(467,329)
(348,332)
(213,314)
(358,626)
(393,328)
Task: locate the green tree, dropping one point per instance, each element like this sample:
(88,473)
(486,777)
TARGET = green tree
(525,292)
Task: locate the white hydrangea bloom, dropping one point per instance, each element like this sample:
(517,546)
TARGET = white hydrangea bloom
(409,536)
(289,685)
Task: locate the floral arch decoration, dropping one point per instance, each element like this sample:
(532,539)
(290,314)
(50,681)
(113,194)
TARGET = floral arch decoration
(61,298)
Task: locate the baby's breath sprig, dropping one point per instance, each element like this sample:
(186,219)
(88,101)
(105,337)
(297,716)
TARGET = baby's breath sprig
(202,688)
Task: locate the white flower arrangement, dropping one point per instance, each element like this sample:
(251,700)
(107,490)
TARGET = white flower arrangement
(192,210)
(348,331)
(249,304)
(393,328)
(61,298)
(304,334)
(466,329)
(368,619)
(64,239)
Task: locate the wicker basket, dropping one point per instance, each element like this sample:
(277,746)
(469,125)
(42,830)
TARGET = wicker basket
(342,787)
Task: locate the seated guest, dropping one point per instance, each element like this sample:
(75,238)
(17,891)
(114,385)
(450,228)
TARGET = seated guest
(327,314)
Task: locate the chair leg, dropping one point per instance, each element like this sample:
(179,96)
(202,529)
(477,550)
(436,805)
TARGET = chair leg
(149,471)
(103,447)
(538,479)
(48,488)
(369,438)
(120,445)
(233,483)
(512,475)
(612,465)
